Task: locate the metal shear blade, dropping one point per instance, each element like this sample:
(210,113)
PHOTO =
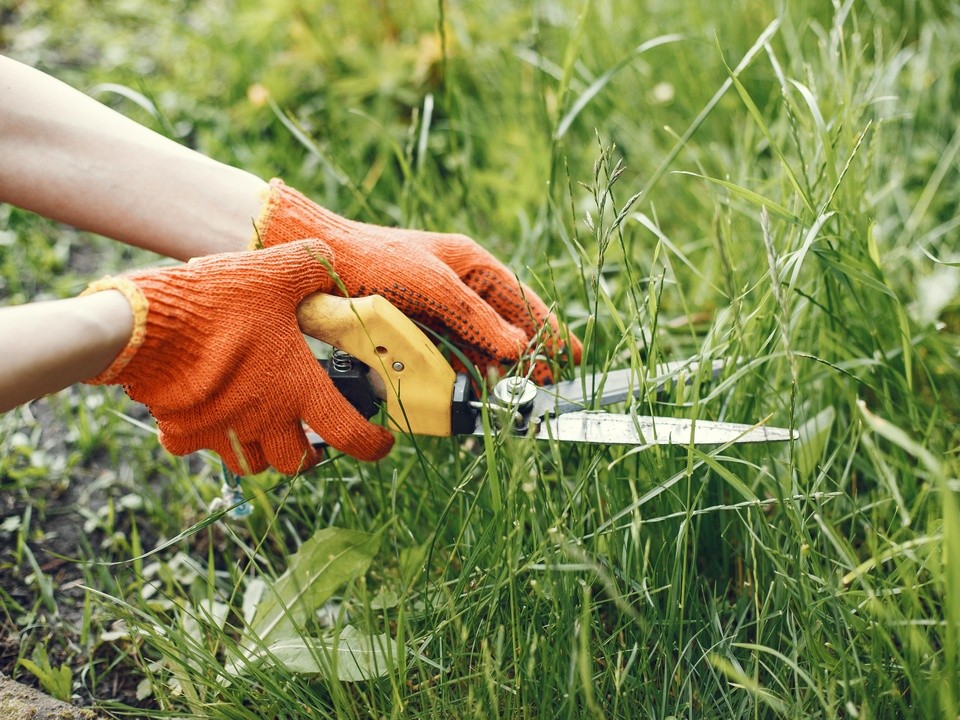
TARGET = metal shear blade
(565,412)
(614,387)
(611,429)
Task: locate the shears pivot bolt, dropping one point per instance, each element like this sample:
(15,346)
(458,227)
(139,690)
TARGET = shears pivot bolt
(516,394)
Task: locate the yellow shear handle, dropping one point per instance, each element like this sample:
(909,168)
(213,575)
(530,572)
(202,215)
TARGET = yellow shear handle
(418,381)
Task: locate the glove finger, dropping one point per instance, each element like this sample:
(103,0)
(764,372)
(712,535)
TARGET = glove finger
(339,423)
(462,314)
(288,450)
(313,273)
(522,307)
(296,268)
(252,461)
(493,281)
(497,285)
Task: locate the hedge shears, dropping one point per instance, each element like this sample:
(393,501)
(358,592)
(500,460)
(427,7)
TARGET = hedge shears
(383,360)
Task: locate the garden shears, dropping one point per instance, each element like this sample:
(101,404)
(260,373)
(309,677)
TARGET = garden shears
(381,359)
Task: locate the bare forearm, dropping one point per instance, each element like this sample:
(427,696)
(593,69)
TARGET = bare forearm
(48,346)
(66,156)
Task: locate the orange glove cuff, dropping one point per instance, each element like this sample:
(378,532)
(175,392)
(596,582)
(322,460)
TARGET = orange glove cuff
(140,305)
(287,216)
(269,197)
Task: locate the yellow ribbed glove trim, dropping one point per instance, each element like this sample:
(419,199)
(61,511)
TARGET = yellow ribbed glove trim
(270,197)
(139,305)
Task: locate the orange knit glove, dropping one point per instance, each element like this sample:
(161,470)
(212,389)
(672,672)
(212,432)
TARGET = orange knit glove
(218,358)
(446,282)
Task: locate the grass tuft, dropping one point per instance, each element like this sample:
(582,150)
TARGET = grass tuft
(679,179)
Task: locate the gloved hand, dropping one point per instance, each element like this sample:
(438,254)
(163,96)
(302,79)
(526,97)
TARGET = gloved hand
(218,358)
(446,282)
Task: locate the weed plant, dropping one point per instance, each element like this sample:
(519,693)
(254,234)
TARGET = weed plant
(777,187)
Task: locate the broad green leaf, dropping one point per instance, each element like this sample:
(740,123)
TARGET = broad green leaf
(254,592)
(56,681)
(331,558)
(384,600)
(352,657)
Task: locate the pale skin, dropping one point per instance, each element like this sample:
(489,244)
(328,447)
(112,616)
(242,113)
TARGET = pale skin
(67,157)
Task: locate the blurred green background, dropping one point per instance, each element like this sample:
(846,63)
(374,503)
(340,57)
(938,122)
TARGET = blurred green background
(617,155)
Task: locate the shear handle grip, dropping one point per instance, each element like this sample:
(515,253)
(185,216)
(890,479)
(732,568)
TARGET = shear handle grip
(418,383)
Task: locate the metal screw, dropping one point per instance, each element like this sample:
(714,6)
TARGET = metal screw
(515,391)
(398,366)
(518,394)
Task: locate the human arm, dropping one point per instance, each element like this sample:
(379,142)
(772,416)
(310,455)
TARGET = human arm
(48,346)
(68,157)
(211,347)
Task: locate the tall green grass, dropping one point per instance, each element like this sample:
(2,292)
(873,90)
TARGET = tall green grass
(680,179)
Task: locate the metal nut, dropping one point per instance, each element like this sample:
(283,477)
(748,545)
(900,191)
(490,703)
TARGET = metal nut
(515,392)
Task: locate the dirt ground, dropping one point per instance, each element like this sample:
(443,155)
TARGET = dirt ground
(56,537)
(19,702)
